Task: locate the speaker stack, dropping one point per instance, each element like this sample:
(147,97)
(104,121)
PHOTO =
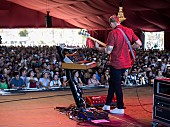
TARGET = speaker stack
(161,104)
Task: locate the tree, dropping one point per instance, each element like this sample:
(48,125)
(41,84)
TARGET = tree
(23,33)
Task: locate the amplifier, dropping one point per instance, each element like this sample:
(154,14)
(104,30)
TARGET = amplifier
(162,109)
(98,100)
(162,87)
(161,104)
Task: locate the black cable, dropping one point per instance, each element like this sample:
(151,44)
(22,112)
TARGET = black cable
(140,102)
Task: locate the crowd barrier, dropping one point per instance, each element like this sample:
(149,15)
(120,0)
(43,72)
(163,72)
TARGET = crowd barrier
(50,89)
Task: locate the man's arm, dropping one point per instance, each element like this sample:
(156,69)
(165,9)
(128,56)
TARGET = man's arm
(107,49)
(137,44)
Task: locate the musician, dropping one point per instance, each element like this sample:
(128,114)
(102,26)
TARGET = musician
(120,60)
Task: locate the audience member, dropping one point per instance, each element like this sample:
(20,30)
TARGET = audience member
(93,81)
(17,82)
(107,77)
(3,83)
(55,82)
(32,81)
(64,81)
(23,73)
(77,79)
(64,78)
(6,72)
(44,82)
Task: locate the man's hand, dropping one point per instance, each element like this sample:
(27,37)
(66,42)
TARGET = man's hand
(99,48)
(96,45)
(137,44)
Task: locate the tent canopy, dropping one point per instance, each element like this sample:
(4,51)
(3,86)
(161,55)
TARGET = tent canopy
(146,15)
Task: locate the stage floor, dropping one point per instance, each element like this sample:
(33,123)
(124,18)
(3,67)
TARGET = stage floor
(36,109)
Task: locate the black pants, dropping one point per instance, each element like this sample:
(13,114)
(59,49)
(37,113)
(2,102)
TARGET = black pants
(115,87)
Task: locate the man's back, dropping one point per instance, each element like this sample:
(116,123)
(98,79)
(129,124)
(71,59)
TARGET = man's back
(120,55)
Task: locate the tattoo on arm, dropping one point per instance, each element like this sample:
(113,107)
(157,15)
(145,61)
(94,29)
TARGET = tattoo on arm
(109,49)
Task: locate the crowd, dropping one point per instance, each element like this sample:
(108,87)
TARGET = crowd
(41,67)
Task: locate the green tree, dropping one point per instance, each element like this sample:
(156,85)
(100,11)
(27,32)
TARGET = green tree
(23,33)
(41,42)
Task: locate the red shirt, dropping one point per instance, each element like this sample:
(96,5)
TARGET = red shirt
(120,56)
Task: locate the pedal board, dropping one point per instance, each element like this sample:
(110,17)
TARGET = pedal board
(92,114)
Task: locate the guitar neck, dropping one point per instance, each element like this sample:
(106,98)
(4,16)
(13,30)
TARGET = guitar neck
(101,43)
